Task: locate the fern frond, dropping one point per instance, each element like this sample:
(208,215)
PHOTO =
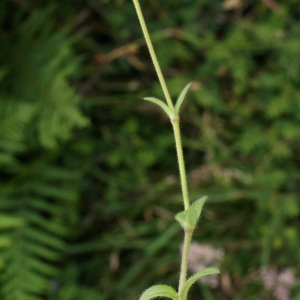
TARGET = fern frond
(33,230)
(36,81)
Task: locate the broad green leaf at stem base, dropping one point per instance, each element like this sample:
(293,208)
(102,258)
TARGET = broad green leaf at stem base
(159,290)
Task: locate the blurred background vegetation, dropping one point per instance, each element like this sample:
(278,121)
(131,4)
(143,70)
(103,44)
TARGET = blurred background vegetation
(89,184)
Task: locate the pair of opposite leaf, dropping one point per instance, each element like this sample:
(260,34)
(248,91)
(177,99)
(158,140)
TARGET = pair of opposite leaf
(170,111)
(188,220)
(168,292)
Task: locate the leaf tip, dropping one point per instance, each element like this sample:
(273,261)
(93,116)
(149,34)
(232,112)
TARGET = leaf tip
(182,97)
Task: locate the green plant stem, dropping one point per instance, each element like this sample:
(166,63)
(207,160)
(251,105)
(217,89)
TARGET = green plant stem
(152,53)
(181,164)
(176,128)
(184,258)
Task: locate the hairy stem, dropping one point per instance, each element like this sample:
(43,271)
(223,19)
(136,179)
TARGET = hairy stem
(152,53)
(181,164)
(176,128)
(184,259)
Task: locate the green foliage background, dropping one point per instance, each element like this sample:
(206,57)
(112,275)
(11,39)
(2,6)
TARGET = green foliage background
(89,185)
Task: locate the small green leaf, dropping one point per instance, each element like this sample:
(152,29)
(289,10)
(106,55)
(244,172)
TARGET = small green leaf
(181,98)
(181,218)
(194,278)
(166,109)
(195,211)
(189,218)
(159,290)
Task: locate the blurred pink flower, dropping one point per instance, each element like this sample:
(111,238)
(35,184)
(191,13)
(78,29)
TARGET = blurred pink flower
(203,256)
(279,284)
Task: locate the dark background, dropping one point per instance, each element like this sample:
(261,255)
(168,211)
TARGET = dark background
(89,184)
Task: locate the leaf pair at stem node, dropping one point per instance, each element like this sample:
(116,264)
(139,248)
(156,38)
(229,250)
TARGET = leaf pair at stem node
(172,112)
(188,219)
(162,290)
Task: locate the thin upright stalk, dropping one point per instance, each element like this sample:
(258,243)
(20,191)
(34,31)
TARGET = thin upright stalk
(187,232)
(152,53)
(181,164)
(184,258)
(176,128)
